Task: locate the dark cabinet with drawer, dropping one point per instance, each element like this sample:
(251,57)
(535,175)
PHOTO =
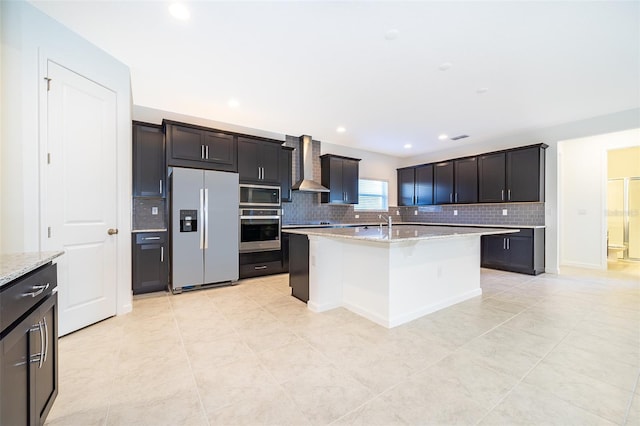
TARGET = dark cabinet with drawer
(200,147)
(256,264)
(150,264)
(259,160)
(149,170)
(299,266)
(516,252)
(29,347)
(340,175)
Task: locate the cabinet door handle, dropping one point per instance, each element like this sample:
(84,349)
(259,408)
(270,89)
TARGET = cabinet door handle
(257,268)
(509,195)
(456,197)
(206,151)
(39,289)
(502,194)
(160,186)
(161,254)
(39,357)
(202,151)
(504,244)
(507,243)
(46,340)
(451,197)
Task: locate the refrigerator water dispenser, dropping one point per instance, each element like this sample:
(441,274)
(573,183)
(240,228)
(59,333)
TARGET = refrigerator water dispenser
(188,220)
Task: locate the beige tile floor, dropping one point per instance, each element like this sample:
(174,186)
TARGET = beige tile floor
(553,349)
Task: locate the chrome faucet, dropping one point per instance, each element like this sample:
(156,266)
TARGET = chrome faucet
(386,219)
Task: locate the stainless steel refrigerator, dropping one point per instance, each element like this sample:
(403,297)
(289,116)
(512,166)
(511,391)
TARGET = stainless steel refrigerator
(204,227)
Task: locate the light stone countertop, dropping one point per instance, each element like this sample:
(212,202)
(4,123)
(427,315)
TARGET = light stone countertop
(398,233)
(15,265)
(465,225)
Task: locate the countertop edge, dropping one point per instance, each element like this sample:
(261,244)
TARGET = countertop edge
(15,265)
(368,238)
(470,225)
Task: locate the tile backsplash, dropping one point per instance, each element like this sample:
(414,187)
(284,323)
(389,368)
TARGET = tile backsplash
(306,207)
(143,217)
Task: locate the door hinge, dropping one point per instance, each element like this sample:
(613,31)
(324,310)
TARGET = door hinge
(48,83)
(48,158)
(48,232)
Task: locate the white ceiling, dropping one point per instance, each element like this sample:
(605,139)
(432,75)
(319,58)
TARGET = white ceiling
(308,67)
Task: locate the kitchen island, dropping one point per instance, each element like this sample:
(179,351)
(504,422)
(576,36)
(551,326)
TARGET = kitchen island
(393,275)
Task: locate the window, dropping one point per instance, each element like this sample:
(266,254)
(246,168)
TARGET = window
(373,195)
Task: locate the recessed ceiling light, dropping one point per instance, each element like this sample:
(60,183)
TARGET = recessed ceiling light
(179,11)
(341,129)
(482,90)
(407,146)
(443,137)
(233,103)
(445,66)
(391,34)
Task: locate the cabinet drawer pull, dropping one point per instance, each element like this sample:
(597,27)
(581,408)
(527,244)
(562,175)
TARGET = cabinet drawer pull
(151,238)
(257,268)
(39,289)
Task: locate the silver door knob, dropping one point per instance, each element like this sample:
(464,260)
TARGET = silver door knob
(112,231)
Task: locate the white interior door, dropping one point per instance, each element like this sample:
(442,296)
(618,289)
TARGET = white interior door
(80,193)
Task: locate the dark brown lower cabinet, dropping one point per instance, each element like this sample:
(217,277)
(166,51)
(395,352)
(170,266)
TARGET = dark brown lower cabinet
(521,252)
(150,263)
(29,357)
(260,263)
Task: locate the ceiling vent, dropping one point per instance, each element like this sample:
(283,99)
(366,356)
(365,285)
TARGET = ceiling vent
(456,138)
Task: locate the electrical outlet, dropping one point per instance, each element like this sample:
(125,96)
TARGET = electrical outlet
(415,212)
(455,212)
(504,212)
(154,210)
(357,216)
(397,212)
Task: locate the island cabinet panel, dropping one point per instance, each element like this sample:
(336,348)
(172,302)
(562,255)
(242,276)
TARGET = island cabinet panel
(525,174)
(466,180)
(491,177)
(521,252)
(299,266)
(406,186)
(443,177)
(259,160)
(200,147)
(29,349)
(340,175)
(286,174)
(149,169)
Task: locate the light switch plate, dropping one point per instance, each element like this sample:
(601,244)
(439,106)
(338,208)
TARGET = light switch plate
(504,212)
(357,216)
(455,212)
(415,212)
(154,210)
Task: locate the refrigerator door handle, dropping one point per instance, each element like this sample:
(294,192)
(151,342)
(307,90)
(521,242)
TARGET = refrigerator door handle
(206,218)
(202,216)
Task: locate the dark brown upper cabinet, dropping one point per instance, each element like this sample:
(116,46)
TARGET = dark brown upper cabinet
(259,160)
(340,175)
(200,147)
(515,175)
(415,185)
(149,169)
(443,177)
(286,174)
(465,180)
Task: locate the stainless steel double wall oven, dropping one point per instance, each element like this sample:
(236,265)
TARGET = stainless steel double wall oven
(260,218)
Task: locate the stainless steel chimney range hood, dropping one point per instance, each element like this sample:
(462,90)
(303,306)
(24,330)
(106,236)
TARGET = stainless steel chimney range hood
(306,183)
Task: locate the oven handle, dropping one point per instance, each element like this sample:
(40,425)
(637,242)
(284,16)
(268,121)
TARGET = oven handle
(260,217)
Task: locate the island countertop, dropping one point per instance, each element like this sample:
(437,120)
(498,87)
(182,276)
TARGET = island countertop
(14,265)
(399,233)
